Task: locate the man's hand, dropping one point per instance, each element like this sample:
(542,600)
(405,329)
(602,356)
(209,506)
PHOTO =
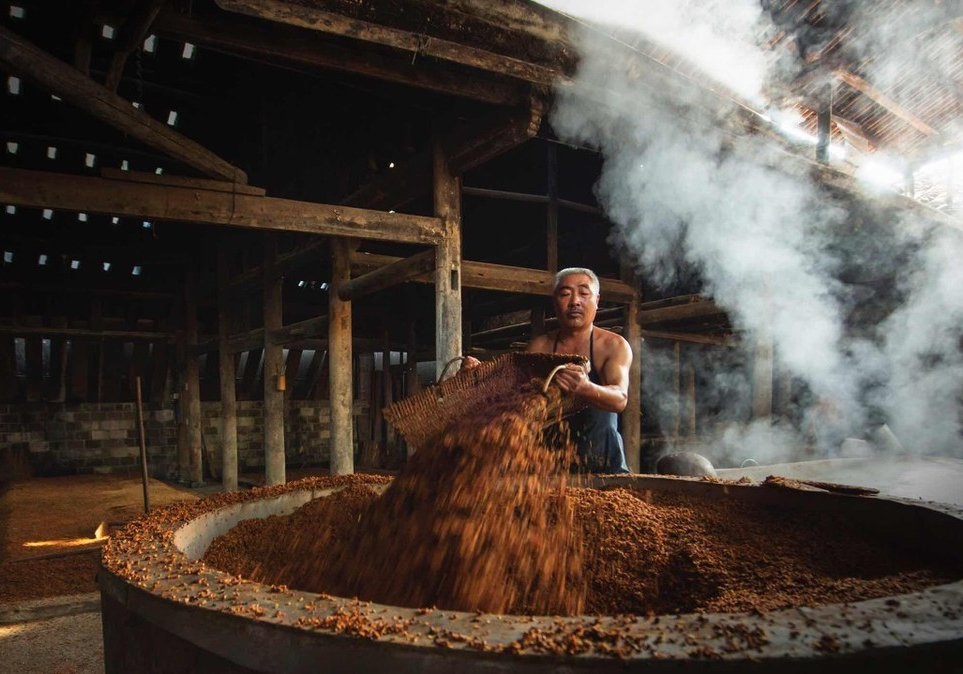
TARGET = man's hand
(572,379)
(470,362)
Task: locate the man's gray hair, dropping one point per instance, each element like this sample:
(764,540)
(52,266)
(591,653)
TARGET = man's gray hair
(571,271)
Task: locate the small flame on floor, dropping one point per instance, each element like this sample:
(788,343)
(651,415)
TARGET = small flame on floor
(100,534)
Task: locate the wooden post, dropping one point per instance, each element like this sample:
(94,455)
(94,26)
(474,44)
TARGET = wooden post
(227,379)
(192,384)
(690,400)
(340,363)
(447,198)
(824,117)
(411,366)
(762,375)
(143,445)
(632,416)
(273,370)
(677,389)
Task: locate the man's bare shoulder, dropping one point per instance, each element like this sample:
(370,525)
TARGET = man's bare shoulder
(609,339)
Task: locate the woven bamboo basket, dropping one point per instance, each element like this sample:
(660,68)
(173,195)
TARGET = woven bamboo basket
(423,417)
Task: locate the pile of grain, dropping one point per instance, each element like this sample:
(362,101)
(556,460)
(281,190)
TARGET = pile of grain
(674,554)
(476,521)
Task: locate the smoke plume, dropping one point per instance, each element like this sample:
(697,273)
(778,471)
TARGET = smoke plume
(871,338)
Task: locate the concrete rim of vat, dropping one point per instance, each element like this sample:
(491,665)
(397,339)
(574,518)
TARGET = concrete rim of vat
(155,574)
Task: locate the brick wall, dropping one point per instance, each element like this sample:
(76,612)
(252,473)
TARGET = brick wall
(57,438)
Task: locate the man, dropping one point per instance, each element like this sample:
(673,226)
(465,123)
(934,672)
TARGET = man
(604,384)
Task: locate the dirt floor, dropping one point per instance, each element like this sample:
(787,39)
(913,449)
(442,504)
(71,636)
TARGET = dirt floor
(48,529)
(49,554)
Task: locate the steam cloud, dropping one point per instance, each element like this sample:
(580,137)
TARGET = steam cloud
(686,192)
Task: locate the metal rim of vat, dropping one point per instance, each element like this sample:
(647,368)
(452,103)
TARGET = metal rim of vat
(289,631)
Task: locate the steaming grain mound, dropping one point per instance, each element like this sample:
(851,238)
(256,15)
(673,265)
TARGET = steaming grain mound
(475,522)
(672,554)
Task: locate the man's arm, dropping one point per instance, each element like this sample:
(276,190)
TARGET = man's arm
(613,395)
(615,374)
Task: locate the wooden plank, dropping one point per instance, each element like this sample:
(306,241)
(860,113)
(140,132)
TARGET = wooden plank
(278,42)
(274,467)
(448,267)
(40,189)
(389,275)
(315,18)
(506,278)
(182,181)
(33,64)
(340,363)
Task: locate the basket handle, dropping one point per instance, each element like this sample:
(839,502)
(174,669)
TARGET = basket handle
(551,375)
(444,370)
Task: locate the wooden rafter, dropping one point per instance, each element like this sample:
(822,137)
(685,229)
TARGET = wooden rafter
(132,33)
(862,86)
(49,73)
(315,18)
(40,189)
(506,278)
(253,38)
(390,275)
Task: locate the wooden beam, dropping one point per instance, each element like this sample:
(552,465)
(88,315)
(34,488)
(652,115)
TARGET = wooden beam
(182,181)
(681,312)
(132,33)
(390,275)
(488,276)
(40,189)
(35,65)
(691,337)
(316,18)
(278,42)
(862,86)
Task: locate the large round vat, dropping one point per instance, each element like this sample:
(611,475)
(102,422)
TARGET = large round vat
(163,611)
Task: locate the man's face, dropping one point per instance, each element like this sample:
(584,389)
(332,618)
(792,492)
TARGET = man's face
(575,301)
